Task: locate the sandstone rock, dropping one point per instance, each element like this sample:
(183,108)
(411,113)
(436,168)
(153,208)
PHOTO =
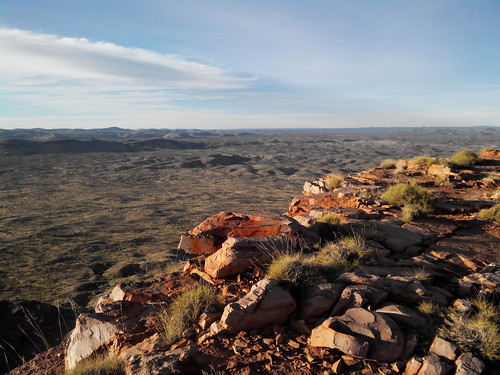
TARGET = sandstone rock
(462,305)
(92,332)
(180,361)
(237,255)
(431,365)
(326,335)
(319,300)
(359,296)
(443,348)
(361,333)
(390,235)
(442,172)
(208,236)
(413,366)
(266,303)
(467,364)
(315,187)
(488,154)
(306,203)
(360,278)
(402,315)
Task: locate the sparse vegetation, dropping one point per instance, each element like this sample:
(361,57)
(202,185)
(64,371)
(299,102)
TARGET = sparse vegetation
(333,181)
(416,201)
(430,308)
(100,365)
(286,267)
(492,213)
(424,160)
(185,310)
(421,275)
(464,158)
(478,332)
(341,256)
(327,226)
(388,164)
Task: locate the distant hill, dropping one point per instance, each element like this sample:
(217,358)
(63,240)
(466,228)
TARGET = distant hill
(29,147)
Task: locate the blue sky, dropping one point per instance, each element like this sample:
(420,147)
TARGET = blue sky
(249,64)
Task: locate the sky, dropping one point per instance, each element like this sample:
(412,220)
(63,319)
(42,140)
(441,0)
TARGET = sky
(249,63)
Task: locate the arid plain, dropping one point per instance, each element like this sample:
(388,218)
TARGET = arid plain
(74,224)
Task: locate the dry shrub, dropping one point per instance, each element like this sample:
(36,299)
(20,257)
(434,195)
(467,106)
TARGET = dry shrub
(424,160)
(185,310)
(388,164)
(492,213)
(478,331)
(333,181)
(464,158)
(99,365)
(415,199)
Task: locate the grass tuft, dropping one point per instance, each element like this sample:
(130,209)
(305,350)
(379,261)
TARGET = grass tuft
(424,160)
(478,332)
(341,256)
(185,310)
(388,164)
(421,275)
(286,267)
(333,181)
(464,158)
(327,226)
(100,365)
(415,199)
(492,213)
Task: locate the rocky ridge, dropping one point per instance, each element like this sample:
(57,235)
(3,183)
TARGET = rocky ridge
(364,321)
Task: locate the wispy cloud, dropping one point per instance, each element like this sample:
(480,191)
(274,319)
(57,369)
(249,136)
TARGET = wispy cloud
(29,54)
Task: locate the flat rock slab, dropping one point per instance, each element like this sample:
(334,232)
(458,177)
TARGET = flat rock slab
(208,237)
(403,315)
(361,333)
(390,235)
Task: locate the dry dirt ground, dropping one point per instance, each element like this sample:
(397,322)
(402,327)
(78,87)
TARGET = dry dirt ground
(73,225)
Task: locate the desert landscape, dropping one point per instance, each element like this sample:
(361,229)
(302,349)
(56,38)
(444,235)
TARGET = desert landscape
(77,219)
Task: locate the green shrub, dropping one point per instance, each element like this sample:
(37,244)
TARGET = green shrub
(185,310)
(492,213)
(100,365)
(424,160)
(416,200)
(477,332)
(388,164)
(464,158)
(333,181)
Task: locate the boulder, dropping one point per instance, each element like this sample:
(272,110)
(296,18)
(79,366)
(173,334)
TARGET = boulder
(266,303)
(361,333)
(208,237)
(306,203)
(92,332)
(319,300)
(467,364)
(359,296)
(413,365)
(239,254)
(402,315)
(431,365)
(444,348)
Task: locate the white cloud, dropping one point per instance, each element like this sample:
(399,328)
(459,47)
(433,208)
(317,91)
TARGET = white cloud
(28,54)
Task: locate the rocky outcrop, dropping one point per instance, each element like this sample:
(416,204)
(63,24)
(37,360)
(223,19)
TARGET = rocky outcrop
(209,236)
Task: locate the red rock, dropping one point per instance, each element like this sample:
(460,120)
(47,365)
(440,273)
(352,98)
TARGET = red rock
(209,236)
(238,254)
(306,203)
(444,348)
